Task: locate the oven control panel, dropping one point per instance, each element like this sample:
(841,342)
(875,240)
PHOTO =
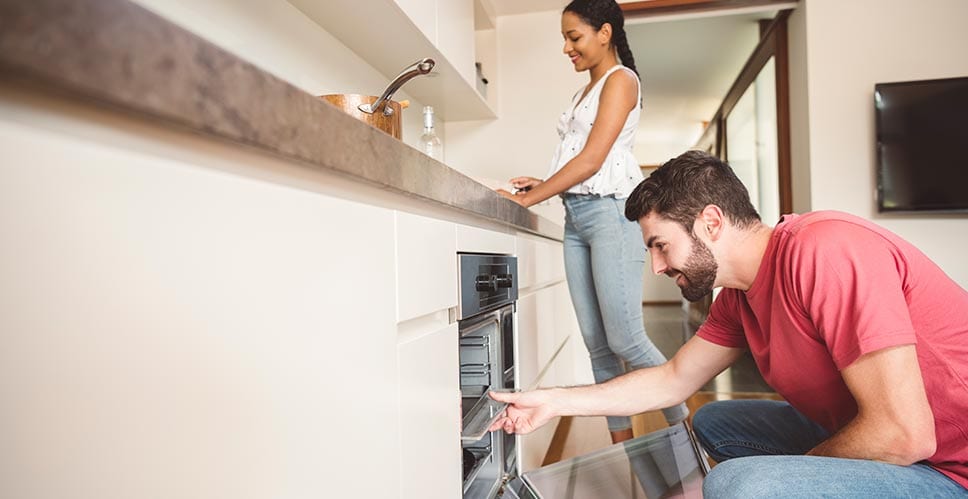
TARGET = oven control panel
(486,282)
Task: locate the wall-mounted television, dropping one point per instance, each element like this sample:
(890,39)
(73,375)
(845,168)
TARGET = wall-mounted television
(922,145)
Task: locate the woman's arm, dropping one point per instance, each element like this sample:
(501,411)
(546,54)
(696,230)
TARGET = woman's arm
(619,96)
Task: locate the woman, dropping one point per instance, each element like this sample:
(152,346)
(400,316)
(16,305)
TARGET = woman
(594,171)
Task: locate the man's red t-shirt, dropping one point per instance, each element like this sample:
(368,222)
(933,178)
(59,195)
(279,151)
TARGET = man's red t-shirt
(833,287)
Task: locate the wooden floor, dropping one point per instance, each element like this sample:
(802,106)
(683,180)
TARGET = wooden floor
(667,328)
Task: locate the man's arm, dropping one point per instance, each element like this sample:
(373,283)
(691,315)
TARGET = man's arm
(638,391)
(894,423)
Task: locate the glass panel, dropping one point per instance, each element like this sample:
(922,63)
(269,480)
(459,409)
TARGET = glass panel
(661,464)
(751,143)
(741,142)
(767,148)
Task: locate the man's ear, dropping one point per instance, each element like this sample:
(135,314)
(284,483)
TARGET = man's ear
(712,221)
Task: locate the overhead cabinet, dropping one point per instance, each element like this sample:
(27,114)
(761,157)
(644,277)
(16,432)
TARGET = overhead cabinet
(391,34)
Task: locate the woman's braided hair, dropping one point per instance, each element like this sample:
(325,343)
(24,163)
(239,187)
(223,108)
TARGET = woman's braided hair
(595,13)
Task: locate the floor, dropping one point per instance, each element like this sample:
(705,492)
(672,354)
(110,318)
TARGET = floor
(668,328)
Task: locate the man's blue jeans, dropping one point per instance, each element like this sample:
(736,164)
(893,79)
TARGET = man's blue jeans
(604,261)
(759,445)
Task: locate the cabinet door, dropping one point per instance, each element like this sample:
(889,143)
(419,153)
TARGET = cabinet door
(548,341)
(430,452)
(196,332)
(422,13)
(568,335)
(534,445)
(526,251)
(527,332)
(426,253)
(476,240)
(455,35)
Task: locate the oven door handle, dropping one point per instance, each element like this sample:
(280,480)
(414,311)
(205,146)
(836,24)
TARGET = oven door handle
(478,421)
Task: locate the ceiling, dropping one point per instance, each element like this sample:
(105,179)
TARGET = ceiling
(512,7)
(687,64)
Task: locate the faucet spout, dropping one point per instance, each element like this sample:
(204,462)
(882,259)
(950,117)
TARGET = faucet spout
(421,67)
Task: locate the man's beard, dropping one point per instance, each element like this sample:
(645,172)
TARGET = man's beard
(699,272)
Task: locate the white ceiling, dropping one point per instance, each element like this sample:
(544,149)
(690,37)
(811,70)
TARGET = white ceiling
(687,66)
(512,7)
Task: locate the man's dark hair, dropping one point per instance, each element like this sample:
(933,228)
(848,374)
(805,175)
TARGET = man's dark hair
(684,185)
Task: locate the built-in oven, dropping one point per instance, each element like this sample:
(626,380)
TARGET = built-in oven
(488,292)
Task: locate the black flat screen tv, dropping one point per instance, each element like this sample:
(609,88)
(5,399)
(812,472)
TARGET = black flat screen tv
(922,146)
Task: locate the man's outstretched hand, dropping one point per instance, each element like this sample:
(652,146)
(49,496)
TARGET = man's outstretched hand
(526,411)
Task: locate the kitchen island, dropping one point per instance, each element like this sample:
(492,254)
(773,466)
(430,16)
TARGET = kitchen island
(217,285)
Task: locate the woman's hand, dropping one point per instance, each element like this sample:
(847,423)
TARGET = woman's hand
(526,411)
(523,186)
(517,198)
(525,183)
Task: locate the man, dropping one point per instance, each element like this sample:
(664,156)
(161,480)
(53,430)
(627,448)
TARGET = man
(864,337)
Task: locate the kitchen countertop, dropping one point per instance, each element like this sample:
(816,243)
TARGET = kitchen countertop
(117,55)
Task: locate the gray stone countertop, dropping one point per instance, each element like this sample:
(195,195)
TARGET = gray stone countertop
(120,56)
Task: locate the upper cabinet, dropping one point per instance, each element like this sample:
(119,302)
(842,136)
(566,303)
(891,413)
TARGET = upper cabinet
(455,34)
(392,34)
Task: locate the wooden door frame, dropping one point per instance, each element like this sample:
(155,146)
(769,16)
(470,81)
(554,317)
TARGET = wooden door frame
(652,8)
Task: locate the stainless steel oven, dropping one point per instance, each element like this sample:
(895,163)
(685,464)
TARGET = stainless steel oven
(488,292)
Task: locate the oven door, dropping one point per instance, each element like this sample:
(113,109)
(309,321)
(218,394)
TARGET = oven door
(482,368)
(665,463)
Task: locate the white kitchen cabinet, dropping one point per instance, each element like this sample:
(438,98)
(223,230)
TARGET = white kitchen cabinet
(533,446)
(390,34)
(476,240)
(538,340)
(422,13)
(455,35)
(430,452)
(548,341)
(527,331)
(526,250)
(426,256)
(176,330)
(567,370)
(550,261)
(449,26)
(541,260)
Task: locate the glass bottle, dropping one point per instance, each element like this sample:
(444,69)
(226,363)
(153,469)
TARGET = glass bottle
(429,142)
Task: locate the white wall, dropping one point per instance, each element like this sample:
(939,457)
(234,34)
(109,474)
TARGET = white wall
(277,37)
(847,48)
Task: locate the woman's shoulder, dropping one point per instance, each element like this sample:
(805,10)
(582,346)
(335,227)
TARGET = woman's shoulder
(621,81)
(622,77)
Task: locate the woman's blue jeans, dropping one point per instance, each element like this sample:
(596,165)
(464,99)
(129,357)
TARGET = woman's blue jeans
(759,445)
(604,261)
